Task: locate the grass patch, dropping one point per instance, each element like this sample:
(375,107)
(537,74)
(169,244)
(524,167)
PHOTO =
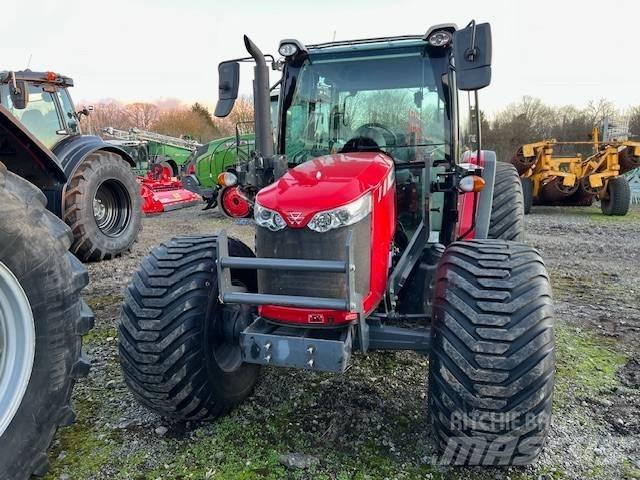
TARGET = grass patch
(586,364)
(100,336)
(82,448)
(632,217)
(101,302)
(629,471)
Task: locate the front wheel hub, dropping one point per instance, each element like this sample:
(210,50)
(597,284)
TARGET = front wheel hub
(112,208)
(234,204)
(17,345)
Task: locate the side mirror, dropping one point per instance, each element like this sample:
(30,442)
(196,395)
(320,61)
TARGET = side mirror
(19,92)
(228,81)
(472,53)
(85,111)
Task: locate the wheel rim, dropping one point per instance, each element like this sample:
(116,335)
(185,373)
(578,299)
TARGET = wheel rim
(231,320)
(17,345)
(112,208)
(234,204)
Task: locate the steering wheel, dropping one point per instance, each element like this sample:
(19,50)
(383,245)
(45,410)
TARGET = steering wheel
(361,130)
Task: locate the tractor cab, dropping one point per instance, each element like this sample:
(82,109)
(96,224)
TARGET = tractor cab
(42,103)
(387,98)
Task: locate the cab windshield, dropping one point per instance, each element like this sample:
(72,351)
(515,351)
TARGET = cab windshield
(388,102)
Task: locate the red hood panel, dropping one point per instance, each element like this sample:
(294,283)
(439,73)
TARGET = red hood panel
(324,183)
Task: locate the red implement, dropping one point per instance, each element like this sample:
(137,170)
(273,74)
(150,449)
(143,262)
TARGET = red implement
(162,193)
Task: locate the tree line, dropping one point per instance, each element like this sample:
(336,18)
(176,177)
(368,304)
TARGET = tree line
(168,118)
(530,120)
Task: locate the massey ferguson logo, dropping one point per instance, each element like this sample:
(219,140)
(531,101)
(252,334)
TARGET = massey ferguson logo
(296,217)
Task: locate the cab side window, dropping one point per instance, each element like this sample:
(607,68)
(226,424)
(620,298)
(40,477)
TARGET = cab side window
(73,126)
(467,140)
(40,116)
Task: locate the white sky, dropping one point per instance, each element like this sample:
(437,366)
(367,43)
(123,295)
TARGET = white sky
(561,51)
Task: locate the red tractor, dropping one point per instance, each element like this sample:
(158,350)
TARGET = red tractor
(381,224)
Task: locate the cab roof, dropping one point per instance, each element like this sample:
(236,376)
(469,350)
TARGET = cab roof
(367,44)
(40,77)
(377,43)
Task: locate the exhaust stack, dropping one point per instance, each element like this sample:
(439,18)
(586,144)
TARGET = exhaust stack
(261,101)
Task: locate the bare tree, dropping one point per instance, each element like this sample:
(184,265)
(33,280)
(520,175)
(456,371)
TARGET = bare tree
(142,115)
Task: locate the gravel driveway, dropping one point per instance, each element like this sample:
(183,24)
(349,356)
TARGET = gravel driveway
(372,422)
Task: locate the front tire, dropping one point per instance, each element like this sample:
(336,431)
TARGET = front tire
(103,207)
(492,359)
(42,320)
(179,347)
(618,198)
(507,211)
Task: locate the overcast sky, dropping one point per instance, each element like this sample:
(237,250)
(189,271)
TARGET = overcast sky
(561,51)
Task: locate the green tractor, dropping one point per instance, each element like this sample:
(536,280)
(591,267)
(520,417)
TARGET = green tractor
(100,200)
(212,169)
(205,169)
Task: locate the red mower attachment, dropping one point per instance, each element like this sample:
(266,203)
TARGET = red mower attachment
(162,193)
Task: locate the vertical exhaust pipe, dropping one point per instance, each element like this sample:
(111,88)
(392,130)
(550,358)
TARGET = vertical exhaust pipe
(261,101)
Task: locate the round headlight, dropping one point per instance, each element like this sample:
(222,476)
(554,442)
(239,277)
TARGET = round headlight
(440,38)
(227,179)
(288,49)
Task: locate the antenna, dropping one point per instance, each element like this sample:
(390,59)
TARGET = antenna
(29,61)
(334,36)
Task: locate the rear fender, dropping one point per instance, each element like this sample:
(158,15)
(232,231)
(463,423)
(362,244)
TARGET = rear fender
(73,150)
(472,205)
(23,154)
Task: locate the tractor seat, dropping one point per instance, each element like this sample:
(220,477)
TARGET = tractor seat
(360,144)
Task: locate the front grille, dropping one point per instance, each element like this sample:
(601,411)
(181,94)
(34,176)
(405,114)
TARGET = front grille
(304,243)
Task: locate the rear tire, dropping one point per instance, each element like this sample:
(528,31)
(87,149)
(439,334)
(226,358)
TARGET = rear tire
(492,359)
(527,193)
(619,197)
(103,207)
(38,267)
(507,210)
(175,357)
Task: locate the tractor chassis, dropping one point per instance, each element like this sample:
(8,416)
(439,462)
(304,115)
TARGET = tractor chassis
(322,349)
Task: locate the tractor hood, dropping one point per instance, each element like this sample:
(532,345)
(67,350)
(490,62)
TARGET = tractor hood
(324,183)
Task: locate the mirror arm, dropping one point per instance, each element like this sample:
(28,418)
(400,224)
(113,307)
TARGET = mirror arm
(478,124)
(16,90)
(473,51)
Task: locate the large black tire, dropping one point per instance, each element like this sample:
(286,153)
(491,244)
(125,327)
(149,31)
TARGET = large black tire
(106,178)
(507,211)
(34,248)
(618,198)
(172,345)
(527,193)
(492,360)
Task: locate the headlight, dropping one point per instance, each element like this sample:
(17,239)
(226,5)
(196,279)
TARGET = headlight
(441,38)
(268,218)
(342,216)
(287,49)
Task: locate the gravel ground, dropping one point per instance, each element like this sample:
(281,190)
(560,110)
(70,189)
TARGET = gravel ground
(372,422)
